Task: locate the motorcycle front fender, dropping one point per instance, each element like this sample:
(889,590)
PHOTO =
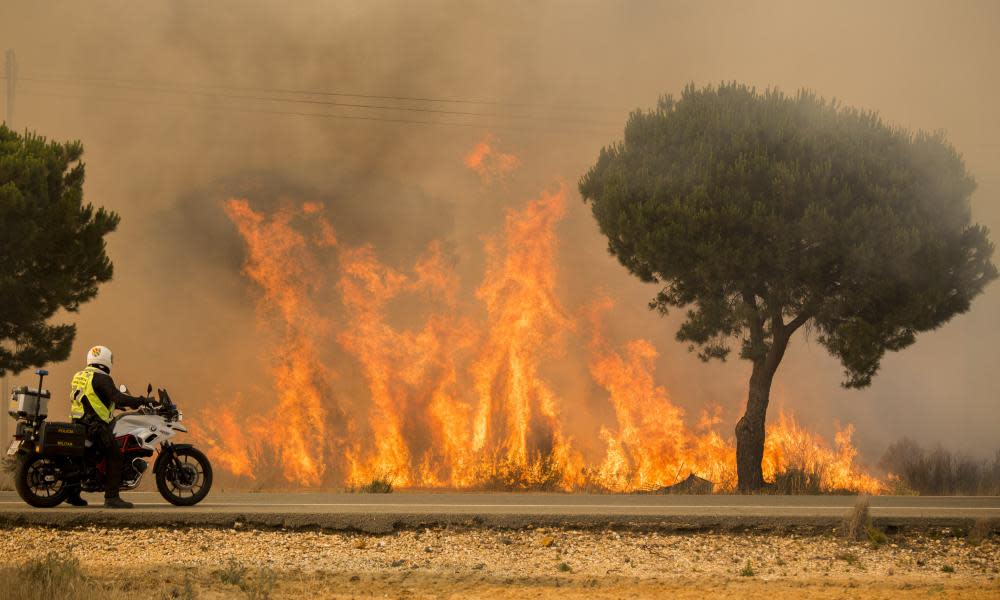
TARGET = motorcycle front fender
(166,454)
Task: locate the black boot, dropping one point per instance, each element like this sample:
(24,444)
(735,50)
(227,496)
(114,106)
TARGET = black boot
(116,502)
(74,498)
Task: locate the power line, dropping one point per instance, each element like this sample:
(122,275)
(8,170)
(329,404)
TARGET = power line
(310,114)
(330,103)
(299,91)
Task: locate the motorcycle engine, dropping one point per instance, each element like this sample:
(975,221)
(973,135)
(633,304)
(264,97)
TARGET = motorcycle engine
(133,472)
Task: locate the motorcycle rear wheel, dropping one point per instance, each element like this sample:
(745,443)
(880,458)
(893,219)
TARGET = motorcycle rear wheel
(33,487)
(189,484)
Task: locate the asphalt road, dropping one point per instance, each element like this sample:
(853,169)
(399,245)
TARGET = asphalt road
(383,512)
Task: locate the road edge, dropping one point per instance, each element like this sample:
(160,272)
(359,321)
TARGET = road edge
(381,523)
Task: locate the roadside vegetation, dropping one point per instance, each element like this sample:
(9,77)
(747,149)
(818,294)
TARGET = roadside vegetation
(52,577)
(449,562)
(52,244)
(911,470)
(380,484)
(936,471)
(7,467)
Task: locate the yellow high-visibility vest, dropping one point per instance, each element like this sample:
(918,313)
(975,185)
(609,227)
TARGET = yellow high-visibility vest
(82,387)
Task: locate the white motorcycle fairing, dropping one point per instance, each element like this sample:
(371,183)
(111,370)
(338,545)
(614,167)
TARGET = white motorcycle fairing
(148,429)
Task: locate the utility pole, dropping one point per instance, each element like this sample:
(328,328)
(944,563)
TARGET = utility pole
(11,72)
(4,418)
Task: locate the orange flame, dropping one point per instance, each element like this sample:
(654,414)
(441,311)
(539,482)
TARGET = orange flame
(488,162)
(280,262)
(458,392)
(651,447)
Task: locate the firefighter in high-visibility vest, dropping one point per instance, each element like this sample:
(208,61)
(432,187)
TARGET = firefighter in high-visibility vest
(94,398)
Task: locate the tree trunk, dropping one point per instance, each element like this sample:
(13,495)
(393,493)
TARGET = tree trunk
(750,430)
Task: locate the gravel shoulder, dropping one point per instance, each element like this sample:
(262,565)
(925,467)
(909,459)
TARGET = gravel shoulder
(537,563)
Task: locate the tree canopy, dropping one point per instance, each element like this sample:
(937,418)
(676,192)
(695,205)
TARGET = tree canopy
(756,209)
(52,248)
(760,213)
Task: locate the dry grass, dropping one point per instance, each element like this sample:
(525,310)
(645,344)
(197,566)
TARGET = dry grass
(940,472)
(858,525)
(857,520)
(797,481)
(52,577)
(481,563)
(543,474)
(378,485)
(8,465)
(981,531)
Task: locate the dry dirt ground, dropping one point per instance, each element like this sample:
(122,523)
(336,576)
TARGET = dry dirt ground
(479,563)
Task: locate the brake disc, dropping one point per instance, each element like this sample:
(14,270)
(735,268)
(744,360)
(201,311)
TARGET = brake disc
(186,476)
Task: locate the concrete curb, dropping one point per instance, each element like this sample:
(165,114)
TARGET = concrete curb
(387,522)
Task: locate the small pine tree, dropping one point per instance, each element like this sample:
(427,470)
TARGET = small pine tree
(52,249)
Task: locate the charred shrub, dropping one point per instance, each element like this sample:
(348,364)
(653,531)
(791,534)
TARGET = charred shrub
(797,481)
(378,485)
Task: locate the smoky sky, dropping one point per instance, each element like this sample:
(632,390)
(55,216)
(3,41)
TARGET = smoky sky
(556,81)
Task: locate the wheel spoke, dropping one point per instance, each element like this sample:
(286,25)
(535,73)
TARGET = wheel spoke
(185,479)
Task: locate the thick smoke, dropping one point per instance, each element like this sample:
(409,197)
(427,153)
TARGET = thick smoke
(180,314)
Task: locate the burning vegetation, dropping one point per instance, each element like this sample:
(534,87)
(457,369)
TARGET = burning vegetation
(434,390)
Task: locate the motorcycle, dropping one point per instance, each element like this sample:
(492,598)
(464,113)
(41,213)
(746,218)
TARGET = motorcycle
(54,458)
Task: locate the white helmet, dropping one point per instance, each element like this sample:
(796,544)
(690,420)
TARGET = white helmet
(100,355)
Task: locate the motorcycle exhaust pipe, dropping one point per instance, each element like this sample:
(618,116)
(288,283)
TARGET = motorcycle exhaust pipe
(139,465)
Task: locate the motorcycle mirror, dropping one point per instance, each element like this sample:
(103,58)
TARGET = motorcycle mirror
(149,388)
(123,389)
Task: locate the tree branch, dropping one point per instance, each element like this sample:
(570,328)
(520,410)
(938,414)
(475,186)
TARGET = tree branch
(756,322)
(799,320)
(777,323)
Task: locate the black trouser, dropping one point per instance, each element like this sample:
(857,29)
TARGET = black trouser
(102,436)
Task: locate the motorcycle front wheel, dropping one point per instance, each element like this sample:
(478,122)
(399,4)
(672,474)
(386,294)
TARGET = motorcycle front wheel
(39,481)
(186,479)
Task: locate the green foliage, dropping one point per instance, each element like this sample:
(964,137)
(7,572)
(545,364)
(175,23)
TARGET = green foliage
(747,570)
(876,537)
(761,212)
(52,250)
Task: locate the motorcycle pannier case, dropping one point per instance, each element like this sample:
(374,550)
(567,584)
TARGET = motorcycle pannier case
(62,439)
(27,402)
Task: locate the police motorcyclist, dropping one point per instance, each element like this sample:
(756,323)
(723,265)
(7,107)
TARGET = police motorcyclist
(94,398)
